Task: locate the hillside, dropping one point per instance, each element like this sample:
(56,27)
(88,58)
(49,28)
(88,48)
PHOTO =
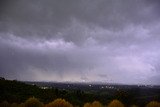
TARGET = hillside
(14,91)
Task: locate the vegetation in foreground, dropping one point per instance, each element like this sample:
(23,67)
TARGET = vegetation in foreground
(18,94)
(34,102)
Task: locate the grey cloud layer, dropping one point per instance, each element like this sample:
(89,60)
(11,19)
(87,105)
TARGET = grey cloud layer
(86,40)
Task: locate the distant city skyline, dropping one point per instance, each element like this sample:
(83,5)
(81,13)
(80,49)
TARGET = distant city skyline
(109,41)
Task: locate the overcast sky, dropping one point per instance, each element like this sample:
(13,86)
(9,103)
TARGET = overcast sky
(112,41)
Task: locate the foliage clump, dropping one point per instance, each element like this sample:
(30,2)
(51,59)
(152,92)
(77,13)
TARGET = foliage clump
(133,106)
(33,102)
(94,104)
(14,105)
(4,104)
(21,105)
(59,103)
(153,104)
(115,103)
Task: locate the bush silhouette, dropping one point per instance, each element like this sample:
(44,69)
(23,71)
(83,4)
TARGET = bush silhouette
(153,104)
(59,103)
(87,105)
(14,105)
(33,102)
(115,103)
(21,105)
(94,104)
(4,104)
(133,106)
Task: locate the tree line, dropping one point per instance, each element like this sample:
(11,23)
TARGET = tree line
(34,102)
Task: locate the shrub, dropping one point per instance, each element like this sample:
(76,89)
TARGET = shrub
(14,105)
(4,104)
(33,102)
(59,103)
(87,105)
(21,105)
(133,106)
(153,104)
(115,103)
(94,104)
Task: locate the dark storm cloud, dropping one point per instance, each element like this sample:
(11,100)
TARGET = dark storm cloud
(85,40)
(47,18)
